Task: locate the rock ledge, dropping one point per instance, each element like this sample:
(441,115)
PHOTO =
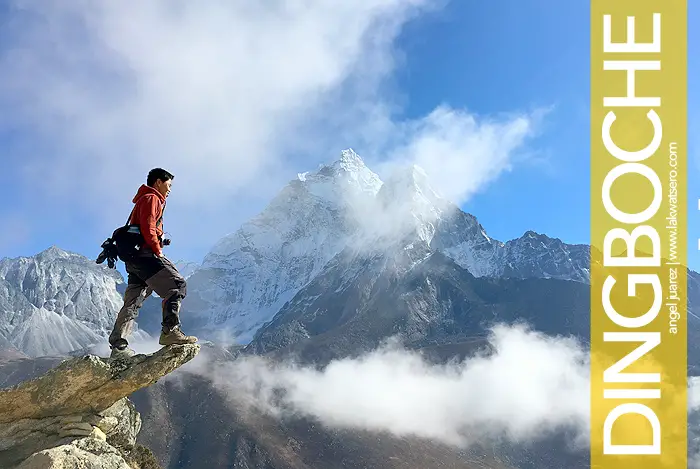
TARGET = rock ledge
(78,414)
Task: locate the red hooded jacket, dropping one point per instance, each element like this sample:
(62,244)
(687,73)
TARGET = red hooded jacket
(148,213)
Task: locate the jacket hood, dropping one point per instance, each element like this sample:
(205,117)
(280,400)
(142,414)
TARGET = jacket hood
(144,190)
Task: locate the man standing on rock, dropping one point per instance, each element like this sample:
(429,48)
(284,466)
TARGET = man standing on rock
(150,270)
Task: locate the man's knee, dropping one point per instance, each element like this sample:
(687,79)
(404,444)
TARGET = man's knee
(181,287)
(168,283)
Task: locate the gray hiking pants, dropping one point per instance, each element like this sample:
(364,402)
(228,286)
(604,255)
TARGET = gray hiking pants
(147,274)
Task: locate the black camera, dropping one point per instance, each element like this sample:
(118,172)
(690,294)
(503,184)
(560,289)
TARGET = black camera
(109,253)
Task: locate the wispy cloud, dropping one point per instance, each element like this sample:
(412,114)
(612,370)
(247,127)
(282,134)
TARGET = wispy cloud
(435,164)
(215,91)
(233,97)
(531,386)
(463,152)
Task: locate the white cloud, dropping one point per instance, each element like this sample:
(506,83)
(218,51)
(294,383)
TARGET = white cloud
(461,152)
(531,386)
(222,94)
(213,90)
(435,164)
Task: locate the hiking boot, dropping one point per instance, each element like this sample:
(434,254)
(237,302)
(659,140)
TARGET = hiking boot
(121,352)
(176,337)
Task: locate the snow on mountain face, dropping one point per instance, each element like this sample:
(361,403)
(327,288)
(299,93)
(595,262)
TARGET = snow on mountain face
(537,255)
(419,294)
(66,283)
(249,275)
(409,206)
(56,301)
(533,255)
(5,342)
(413,205)
(461,237)
(14,308)
(346,178)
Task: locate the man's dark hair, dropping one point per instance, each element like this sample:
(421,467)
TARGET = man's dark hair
(158,173)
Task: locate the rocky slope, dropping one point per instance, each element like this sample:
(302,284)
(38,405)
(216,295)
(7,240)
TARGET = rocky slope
(418,294)
(77,414)
(56,302)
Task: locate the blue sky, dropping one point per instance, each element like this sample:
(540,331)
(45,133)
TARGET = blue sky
(509,55)
(485,58)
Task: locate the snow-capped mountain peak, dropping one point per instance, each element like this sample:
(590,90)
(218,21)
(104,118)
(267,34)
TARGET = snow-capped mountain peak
(325,197)
(54,253)
(328,218)
(350,161)
(342,209)
(342,180)
(250,274)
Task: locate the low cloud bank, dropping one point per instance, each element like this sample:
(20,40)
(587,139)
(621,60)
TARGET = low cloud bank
(531,386)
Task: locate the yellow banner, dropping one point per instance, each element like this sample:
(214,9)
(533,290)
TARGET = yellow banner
(638,234)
